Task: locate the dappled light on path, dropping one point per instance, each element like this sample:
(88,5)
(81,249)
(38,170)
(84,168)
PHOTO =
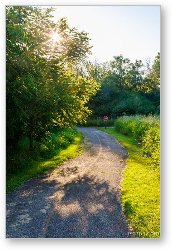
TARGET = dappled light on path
(81,199)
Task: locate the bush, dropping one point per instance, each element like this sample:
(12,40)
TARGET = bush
(55,141)
(146,131)
(51,144)
(24,143)
(151,145)
(134,103)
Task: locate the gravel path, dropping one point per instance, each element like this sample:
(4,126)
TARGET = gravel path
(81,199)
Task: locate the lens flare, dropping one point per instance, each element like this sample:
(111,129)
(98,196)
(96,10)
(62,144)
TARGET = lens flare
(55,37)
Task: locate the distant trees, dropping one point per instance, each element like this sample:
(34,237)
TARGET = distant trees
(154,73)
(43,86)
(127,88)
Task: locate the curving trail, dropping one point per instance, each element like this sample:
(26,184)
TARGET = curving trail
(81,199)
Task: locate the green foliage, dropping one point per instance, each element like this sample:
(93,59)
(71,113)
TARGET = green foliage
(73,47)
(46,148)
(44,87)
(151,145)
(140,190)
(146,130)
(126,88)
(55,141)
(154,73)
(24,144)
(134,103)
(32,166)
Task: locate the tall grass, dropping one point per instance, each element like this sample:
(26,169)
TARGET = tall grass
(146,131)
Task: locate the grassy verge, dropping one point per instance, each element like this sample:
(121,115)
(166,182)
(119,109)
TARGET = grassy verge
(140,191)
(146,131)
(35,167)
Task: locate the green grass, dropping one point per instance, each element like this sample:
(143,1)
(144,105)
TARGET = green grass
(35,168)
(140,190)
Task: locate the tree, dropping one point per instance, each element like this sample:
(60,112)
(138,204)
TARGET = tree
(119,68)
(134,76)
(155,70)
(43,86)
(126,88)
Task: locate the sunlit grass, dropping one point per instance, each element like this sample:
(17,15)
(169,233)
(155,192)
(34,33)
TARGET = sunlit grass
(140,191)
(43,166)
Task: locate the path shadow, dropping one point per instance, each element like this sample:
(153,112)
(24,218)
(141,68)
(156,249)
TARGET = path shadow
(87,209)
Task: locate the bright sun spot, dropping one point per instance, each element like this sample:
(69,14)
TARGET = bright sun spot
(55,37)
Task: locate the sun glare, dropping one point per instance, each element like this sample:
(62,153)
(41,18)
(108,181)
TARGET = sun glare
(55,37)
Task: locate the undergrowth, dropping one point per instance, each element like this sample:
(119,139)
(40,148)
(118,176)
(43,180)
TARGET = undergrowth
(51,152)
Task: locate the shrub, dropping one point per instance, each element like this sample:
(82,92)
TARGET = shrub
(133,103)
(146,131)
(151,145)
(51,144)
(24,143)
(55,141)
